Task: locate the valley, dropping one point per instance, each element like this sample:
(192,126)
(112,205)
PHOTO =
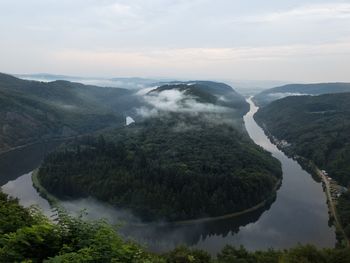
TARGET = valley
(189,158)
(32,111)
(177,122)
(303,217)
(175,131)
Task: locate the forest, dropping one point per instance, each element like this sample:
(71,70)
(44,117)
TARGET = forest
(317,127)
(343,208)
(28,236)
(169,168)
(192,159)
(32,111)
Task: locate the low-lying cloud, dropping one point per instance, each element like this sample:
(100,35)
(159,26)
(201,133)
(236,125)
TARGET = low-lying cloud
(280,95)
(176,101)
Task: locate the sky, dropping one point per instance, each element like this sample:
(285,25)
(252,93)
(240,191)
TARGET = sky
(287,40)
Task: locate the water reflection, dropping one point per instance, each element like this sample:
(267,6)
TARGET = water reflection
(22,189)
(23,160)
(165,237)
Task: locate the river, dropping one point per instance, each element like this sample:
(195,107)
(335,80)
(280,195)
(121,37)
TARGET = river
(298,214)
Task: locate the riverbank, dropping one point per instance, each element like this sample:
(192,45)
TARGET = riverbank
(232,215)
(319,176)
(331,205)
(54,202)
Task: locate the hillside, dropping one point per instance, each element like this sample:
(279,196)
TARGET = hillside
(189,158)
(316,128)
(133,83)
(269,95)
(210,92)
(32,111)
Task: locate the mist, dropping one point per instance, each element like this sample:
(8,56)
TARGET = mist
(280,95)
(132,83)
(176,101)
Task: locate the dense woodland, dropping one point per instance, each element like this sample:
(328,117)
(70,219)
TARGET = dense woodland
(31,111)
(161,169)
(27,236)
(317,127)
(343,208)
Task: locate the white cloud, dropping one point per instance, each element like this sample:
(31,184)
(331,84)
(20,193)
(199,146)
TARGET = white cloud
(280,95)
(310,12)
(324,11)
(176,101)
(188,57)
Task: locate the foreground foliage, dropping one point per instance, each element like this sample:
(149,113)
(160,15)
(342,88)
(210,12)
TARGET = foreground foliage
(33,238)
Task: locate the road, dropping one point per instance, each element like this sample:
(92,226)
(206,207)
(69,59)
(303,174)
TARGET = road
(331,204)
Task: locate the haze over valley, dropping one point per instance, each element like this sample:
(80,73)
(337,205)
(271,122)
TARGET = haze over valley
(175,131)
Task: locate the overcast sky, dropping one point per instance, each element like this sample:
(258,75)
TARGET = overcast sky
(292,40)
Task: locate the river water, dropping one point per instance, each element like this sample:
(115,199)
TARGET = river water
(298,214)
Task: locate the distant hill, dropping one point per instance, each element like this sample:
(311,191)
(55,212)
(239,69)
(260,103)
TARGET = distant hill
(209,92)
(216,88)
(317,127)
(127,83)
(32,110)
(270,95)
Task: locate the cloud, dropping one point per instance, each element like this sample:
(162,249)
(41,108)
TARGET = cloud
(306,12)
(298,62)
(95,210)
(177,38)
(314,13)
(144,91)
(178,101)
(280,95)
(162,104)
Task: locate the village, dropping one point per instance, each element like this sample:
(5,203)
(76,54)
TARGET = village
(335,190)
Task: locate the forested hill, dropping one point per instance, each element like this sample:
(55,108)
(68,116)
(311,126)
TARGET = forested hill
(273,94)
(189,158)
(317,127)
(210,92)
(31,110)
